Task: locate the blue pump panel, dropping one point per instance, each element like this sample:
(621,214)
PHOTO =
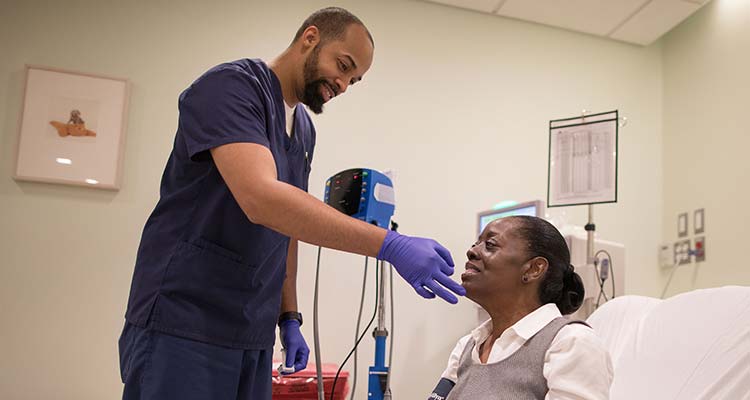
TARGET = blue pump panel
(362,193)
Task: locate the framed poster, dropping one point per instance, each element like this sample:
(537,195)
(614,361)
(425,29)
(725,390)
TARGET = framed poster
(72,128)
(582,166)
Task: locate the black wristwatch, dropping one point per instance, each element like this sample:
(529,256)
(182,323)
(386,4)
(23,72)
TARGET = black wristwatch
(285,316)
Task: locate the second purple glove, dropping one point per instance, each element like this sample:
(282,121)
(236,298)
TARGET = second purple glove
(297,351)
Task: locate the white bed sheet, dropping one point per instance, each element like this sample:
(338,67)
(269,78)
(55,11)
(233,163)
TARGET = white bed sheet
(695,345)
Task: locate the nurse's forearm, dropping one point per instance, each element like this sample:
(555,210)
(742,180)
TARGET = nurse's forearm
(295,213)
(250,173)
(289,289)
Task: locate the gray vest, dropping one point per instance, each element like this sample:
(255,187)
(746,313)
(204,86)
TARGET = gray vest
(518,377)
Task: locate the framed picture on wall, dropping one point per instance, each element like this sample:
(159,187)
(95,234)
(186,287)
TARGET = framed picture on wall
(72,128)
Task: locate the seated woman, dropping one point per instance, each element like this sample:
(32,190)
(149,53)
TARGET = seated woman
(519,271)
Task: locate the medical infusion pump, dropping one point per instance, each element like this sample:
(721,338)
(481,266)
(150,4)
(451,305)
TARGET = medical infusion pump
(362,193)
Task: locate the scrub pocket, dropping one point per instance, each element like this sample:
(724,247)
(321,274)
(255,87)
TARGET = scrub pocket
(204,291)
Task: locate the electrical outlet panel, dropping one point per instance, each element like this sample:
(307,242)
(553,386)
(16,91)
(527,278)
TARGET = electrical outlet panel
(700,249)
(682,252)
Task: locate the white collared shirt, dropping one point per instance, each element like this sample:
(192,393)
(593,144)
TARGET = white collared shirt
(576,365)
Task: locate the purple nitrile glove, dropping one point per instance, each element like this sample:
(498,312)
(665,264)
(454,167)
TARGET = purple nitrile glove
(297,351)
(424,263)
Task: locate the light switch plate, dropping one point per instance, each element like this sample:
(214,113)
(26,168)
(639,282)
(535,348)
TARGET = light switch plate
(682,225)
(699,222)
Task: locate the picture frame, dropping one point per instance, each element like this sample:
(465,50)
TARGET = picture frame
(72,128)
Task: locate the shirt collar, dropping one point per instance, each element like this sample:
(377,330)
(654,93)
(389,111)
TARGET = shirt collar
(525,328)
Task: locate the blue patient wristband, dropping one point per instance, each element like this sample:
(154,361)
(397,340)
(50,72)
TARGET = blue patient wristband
(442,389)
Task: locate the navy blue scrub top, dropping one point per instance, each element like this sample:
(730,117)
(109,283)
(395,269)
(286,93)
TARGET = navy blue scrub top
(203,270)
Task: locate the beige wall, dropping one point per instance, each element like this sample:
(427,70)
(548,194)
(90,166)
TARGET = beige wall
(706,139)
(457,103)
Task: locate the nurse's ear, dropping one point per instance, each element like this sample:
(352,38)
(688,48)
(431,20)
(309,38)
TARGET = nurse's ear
(310,37)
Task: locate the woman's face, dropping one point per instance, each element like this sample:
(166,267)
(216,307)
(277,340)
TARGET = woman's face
(495,262)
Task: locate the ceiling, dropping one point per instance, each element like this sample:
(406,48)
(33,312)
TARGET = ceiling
(633,21)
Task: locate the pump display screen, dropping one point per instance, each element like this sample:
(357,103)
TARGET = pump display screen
(346,189)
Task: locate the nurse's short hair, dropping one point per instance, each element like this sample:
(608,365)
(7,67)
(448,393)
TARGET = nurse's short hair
(332,23)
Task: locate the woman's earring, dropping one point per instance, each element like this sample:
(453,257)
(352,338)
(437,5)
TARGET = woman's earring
(525,279)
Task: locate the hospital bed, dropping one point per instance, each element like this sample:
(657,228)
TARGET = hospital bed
(695,345)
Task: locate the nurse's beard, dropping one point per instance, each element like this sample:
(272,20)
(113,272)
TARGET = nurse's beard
(312,98)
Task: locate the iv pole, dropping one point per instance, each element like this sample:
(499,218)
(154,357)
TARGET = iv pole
(590,226)
(378,376)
